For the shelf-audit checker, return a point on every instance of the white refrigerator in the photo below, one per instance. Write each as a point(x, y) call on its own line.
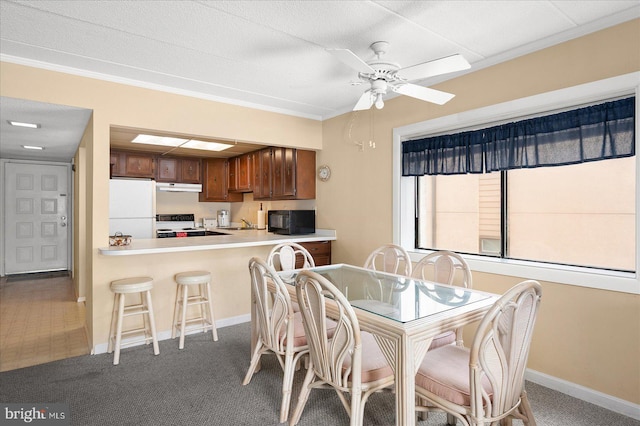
point(132, 207)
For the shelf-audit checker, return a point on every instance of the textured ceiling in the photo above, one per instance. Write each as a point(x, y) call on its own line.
point(272, 54)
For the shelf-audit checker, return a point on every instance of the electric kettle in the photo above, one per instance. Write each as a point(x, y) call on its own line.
point(223, 218)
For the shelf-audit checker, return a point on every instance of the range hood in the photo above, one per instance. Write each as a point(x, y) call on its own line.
point(178, 187)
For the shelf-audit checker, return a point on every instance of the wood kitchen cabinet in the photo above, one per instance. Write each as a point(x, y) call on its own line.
point(167, 170)
point(262, 174)
point(320, 251)
point(181, 170)
point(190, 170)
point(215, 181)
point(285, 174)
point(132, 164)
point(241, 173)
point(116, 164)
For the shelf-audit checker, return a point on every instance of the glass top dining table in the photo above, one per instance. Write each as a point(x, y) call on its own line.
point(403, 314)
point(391, 296)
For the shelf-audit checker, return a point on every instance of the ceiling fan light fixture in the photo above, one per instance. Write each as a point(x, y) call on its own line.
point(383, 74)
point(379, 102)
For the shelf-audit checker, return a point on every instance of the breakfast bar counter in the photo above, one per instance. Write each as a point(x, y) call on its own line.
point(226, 257)
point(234, 239)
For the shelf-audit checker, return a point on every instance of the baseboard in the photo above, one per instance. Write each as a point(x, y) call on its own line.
point(101, 348)
point(609, 402)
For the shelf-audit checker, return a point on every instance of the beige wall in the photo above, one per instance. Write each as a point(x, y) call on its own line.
point(580, 330)
point(585, 336)
point(127, 106)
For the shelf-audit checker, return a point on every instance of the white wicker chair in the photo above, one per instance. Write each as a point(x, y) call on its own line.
point(390, 258)
point(445, 267)
point(283, 257)
point(337, 361)
point(485, 384)
point(280, 329)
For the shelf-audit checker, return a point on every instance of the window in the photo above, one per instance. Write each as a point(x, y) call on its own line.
point(573, 223)
point(580, 214)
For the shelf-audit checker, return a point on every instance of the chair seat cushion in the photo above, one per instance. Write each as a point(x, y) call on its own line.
point(446, 338)
point(299, 336)
point(445, 373)
point(374, 364)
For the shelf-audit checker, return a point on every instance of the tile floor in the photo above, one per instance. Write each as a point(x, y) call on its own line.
point(40, 321)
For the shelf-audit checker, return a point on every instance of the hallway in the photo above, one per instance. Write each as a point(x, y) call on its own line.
point(40, 321)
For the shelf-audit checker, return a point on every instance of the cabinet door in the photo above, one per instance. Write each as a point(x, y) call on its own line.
point(293, 174)
point(320, 251)
point(116, 164)
point(215, 181)
point(167, 169)
point(190, 170)
point(279, 173)
point(233, 174)
point(139, 165)
point(305, 174)
point(244, 173)
point(289, 172)
point(262, 173)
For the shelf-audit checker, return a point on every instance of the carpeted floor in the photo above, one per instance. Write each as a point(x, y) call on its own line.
point(201, 385)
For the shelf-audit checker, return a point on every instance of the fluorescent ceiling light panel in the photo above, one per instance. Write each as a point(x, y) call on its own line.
point(23, 124)
point(158, 140)
point(208, 146)
point(37, 148)
point(182, 143)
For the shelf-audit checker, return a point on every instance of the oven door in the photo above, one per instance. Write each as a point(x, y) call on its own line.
point(165, 234)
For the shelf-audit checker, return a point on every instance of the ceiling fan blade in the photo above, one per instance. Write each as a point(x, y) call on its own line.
point(351, 59)
point(432, 68)
point(423, 93)
point(365, 101)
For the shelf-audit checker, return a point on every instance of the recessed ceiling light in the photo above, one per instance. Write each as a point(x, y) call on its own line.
point(23, 124)
point(37, 148)
point(158, 140)
point(208, 146)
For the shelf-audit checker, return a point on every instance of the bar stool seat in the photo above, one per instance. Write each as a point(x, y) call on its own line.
point(120, 288)
point(200, 297)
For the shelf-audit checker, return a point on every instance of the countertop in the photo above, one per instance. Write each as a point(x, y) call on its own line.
point(235, 239)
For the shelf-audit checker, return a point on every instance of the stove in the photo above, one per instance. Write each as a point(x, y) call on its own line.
point(177, 226)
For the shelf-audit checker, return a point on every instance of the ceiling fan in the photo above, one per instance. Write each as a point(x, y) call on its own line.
point(383, 75)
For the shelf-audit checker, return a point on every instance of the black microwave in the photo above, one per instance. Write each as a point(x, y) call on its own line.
point(291, 222)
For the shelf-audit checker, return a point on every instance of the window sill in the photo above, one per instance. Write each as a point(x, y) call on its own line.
point(601, 279)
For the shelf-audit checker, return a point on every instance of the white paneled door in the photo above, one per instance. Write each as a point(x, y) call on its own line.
point(36, 217)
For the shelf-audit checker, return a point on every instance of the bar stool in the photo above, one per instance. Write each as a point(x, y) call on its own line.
point(142, 286)
point(200, 281)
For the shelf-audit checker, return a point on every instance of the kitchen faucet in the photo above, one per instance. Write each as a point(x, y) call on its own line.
point(246, 222)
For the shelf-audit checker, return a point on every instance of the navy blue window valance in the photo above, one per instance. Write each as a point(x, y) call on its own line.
point(597, 132)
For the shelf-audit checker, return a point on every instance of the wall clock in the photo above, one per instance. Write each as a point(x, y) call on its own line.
point(324, 173)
